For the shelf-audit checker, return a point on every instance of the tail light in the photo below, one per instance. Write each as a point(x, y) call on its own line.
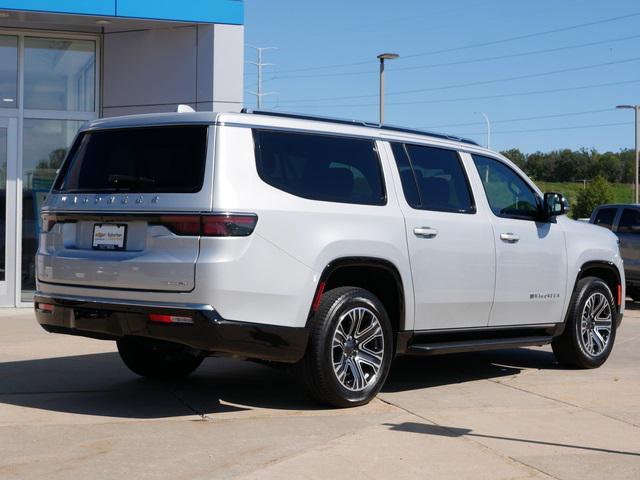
point(213, 225)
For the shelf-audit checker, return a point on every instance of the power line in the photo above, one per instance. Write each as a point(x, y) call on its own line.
point(476, 45)
point(473, 84)
point(525, 36)
point(574, 127)
point(463, 62)
point(481, 97)
point(522, 119)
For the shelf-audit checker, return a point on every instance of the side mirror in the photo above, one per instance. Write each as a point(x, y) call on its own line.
point(555, 204)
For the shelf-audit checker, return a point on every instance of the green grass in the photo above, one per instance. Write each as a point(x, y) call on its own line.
point(622, 192)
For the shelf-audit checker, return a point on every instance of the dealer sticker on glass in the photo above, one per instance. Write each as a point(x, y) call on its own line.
point(108, 236)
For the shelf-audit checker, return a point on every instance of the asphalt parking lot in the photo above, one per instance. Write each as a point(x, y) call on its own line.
point(70, 410)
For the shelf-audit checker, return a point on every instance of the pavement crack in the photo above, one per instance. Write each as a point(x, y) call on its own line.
point(563, 402)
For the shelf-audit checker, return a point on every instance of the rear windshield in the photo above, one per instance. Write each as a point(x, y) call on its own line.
point(136, 160)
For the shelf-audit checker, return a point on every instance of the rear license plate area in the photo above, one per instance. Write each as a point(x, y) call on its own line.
point(109, 236)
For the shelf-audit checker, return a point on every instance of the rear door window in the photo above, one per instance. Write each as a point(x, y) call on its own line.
point(433, 178)
point(630, 221)
point(137, 160)
point(604, 217)
point(321, 167)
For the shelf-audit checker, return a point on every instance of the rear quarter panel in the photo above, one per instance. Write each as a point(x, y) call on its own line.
point(274, 278)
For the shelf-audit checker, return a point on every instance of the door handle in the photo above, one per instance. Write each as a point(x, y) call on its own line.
point(509, 237)
point(425, 232)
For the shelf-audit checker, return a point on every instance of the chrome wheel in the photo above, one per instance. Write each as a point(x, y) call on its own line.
point(596, 324)
point(357, 348)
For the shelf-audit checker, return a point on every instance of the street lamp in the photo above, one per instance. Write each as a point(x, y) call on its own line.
point(636, 108)
point(486, 118)
point(382, 57)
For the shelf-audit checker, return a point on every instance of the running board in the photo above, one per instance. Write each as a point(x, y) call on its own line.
point(476, 345)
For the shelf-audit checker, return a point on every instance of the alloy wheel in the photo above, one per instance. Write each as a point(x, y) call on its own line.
point(596, 324)
point(357, 348)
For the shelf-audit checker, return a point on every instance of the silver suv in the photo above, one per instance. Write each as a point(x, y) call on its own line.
point(328, 245)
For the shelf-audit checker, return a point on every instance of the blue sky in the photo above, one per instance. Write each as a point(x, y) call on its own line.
point(582, 57)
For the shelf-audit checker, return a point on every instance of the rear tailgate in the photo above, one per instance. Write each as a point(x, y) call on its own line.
point(124, 211)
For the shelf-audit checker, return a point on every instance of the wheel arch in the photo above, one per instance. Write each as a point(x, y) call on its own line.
point(606, 271)
point(379, 276)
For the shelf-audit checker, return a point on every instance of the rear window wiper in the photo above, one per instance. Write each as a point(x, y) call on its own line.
point(118, 180)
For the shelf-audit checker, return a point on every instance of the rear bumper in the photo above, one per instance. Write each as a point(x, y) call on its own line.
point(209, 332)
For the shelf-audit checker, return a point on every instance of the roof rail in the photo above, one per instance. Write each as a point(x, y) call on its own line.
point(360, 123)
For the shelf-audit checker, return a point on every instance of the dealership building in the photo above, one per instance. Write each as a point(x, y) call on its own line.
point(63, 62)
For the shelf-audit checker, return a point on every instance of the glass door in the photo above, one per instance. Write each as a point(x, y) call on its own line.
point(8, 197)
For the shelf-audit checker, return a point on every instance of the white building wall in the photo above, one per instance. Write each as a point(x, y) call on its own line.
point(155, 70)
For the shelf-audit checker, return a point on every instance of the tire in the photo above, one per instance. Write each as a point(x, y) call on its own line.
point(585, 343)
point(156, 359)
point(351, 329)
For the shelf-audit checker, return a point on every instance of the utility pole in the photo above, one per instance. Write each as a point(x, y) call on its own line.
point(260, 65)
point(382, 57)
point(486, 118)
point(636, 109)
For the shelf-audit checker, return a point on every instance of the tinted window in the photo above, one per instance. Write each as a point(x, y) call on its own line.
point(508, 194)
point(605, 217)
point(137, 160)
point(440, 178)
point(321, 167)
point(408, 179)
point(630, 221)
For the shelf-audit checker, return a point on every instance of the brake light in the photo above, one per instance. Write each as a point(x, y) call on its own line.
point(182, 224)
point(228, 225)
point(159, 318)
point(213, 225)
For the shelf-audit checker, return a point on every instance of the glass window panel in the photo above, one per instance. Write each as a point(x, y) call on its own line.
point(138, 160)
point(8, 71)
point(44, 148)
point(508, 194)
point(441, 179)
point(630, 221)
point(321, 167)
point(59, 74)
point(3, 201)
point(605, 217)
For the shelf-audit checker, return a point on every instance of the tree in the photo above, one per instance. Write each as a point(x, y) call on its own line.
point(598, 192)
point(516, 156)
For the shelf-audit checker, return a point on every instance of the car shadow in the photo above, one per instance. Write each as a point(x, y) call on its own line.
point(413, 373)
point(99, 384)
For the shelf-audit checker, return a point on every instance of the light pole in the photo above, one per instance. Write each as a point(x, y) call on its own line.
point(382, 57)
point(636, 108)
point(486, 118)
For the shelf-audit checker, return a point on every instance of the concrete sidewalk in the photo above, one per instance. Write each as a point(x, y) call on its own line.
point(69, 409)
